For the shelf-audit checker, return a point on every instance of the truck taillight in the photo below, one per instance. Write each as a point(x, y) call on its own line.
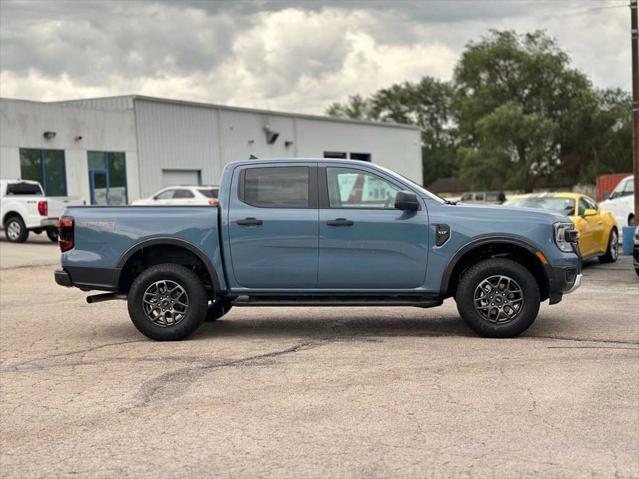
point(214, 202)
point(65, 233)
point(43, 208)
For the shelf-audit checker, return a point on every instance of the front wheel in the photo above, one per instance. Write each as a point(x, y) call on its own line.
point(498, 298)
point(52, 234)
point(167, 302)
point(612, 250)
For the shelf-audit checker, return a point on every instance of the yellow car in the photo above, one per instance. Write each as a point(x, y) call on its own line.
point(598, 233)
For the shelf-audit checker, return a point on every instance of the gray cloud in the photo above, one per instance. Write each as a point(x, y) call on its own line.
point(297, 55)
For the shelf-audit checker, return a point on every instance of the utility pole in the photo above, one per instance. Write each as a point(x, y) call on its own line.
point(634, 35)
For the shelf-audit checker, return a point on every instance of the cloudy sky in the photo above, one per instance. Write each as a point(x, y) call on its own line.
point(281, 55)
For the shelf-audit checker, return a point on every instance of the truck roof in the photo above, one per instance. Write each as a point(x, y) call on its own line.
point(297, 160)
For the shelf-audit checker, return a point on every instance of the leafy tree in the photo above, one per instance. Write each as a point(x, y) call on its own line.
point(515, 116)
point(516, 148)
point(356, 108)
point(605, 137)
point(525, 79)
point(426, 104)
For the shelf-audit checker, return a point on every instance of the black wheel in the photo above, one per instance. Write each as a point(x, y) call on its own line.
point(167, 302)
point(52, 234)
point(612, 251)
point(498, 298)
point(637, 271)
point(15, 230)
point(217, 309)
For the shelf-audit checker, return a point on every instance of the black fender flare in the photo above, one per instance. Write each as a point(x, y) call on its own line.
point(477, 243)
point(173, 242)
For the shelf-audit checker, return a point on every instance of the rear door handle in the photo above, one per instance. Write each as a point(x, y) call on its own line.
point(340, 222)
point(249, 222)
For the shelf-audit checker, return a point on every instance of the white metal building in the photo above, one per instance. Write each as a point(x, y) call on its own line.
point(118, 149)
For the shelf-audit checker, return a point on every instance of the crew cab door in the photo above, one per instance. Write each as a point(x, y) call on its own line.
point(365, 243)
point(273, 226)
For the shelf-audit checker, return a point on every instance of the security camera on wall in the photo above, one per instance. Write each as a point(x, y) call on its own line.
point(271, 135)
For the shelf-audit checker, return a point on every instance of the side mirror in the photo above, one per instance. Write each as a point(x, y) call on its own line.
point(406, 200)
point(590, 212)
point(606, 195)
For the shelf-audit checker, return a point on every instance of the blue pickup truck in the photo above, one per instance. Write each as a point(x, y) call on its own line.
point(317, 232)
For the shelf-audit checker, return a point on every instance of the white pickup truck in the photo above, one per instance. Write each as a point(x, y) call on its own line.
point(24, 208)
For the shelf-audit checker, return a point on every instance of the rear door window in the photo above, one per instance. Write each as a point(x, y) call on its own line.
point(183, 194)
point(276, 187)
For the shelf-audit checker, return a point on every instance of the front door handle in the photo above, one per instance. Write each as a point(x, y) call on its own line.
point(249, 222)
point(340, 222)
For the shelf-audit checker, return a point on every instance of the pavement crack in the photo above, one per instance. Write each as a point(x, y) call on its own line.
point(21, 365)
point(175, 383)
point(585, 340)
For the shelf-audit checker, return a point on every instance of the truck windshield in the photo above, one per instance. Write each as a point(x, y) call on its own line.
point(31, 189)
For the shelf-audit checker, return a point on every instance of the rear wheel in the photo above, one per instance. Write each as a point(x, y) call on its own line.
point(217, 309)
point(52, 234)
point(498, 298)
point(15, 230)
point(167, 302)
point(612, 250)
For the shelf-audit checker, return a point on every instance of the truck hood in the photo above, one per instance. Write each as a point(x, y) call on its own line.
point(490, 212)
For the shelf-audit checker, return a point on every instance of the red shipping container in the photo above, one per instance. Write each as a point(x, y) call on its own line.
point(607, 183)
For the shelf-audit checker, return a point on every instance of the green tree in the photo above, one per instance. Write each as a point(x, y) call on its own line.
point(528, 80)
point(426, 104)
point(356, 108)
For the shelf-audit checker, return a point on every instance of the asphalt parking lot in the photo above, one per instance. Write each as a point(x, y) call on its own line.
point(315, 392)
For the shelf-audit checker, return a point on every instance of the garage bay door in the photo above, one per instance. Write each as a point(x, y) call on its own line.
point(181, 177)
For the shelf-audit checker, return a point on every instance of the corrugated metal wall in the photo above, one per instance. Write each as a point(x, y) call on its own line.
point(173, 136)
point(109, 103)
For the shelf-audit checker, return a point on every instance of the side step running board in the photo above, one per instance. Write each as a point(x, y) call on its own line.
point(417, 301)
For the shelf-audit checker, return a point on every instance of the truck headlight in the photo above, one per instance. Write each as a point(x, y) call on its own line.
point(565, 236)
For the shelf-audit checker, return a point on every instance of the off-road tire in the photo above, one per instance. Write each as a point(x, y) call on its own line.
point(16, 224)
point(217, 309)
point(475, 275)
point(612, 252)
point(188, 281)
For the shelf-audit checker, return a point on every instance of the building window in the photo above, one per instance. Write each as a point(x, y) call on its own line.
point(361, 156)
point(107, 178)
point(335, 154)
point(342, 155)
point(46, 167)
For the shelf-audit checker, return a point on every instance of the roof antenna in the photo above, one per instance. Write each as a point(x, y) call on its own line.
point(253, 157)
